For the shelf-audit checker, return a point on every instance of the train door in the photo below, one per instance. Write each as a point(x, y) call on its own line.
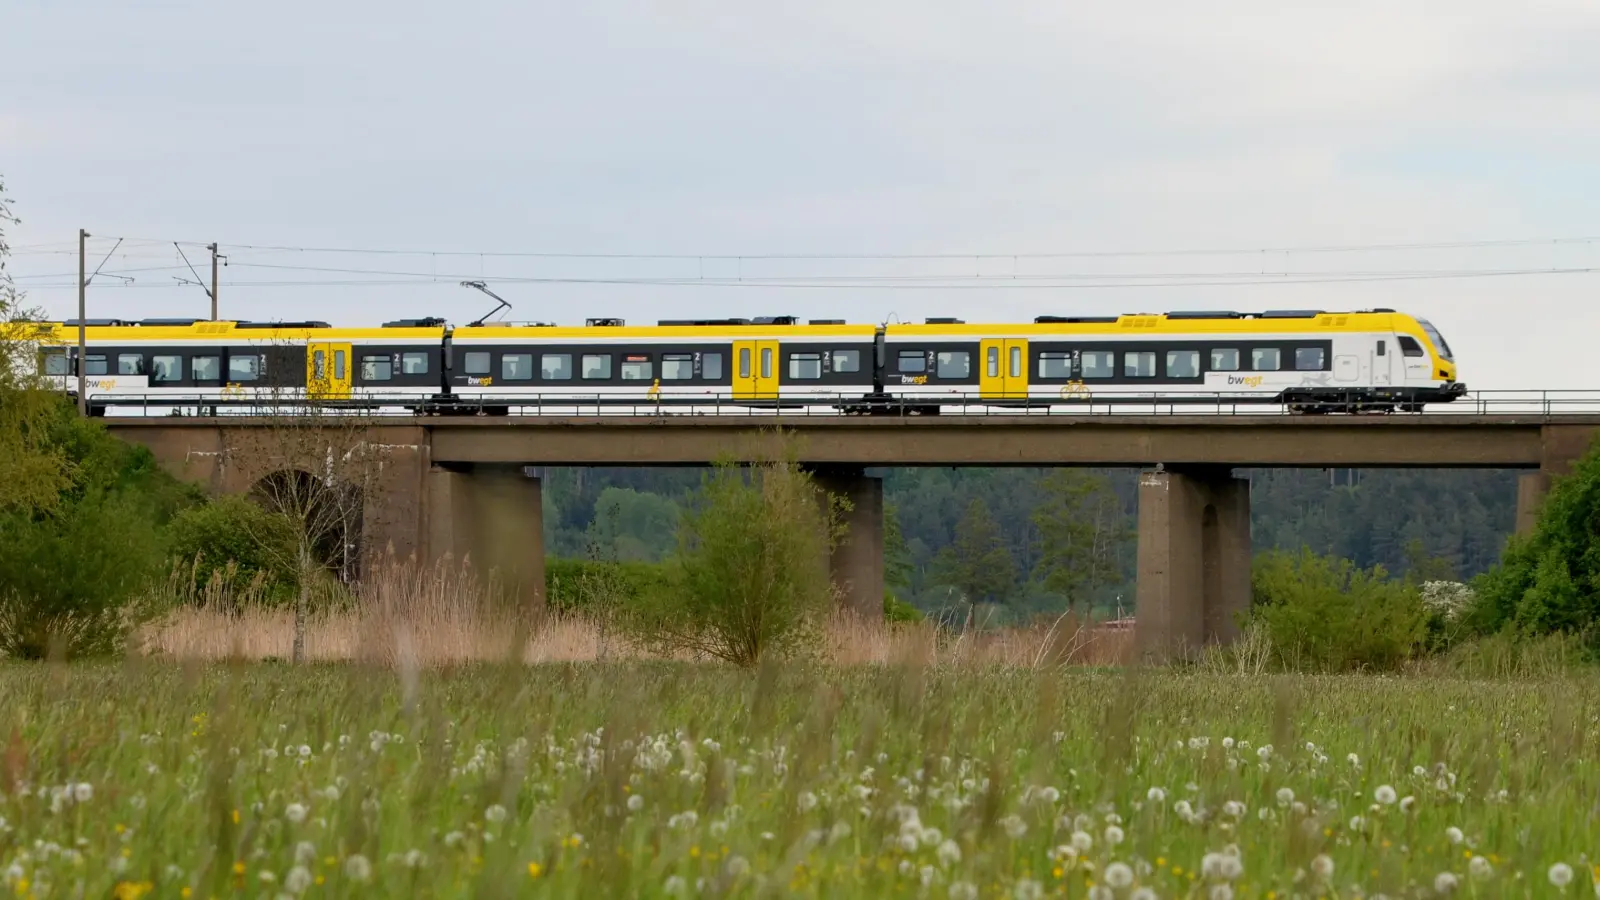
point(755, 370)
point(1003, 372)
point(328, 372)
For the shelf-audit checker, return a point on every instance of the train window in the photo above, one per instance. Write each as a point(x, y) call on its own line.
point(338, 364)
point(953, 364)
point(1265, 359)
point(555, 366)
point(373, 368)
point(1225, 359)
point(519, 367)
point(1099, 364)
point(477, 363)
point(130, 364)
point(1183, 363)
point(319, 364)
point(992, 362)
point(96, 366)
point(1409, 346)
point(57, 364)
point(414, 363)
point(597, 366)
point(805, 366)
point(1016, 362)
point(1308, 359)
point(847, 360)
point(766, 362)
point(1381, 348)
point(206, 368)
point(166, 368)
point(638, 368)
point(711, 366)
point(744, 362)
point(1139, 364)
point(248, 367)
point(1055, 365)
point(911, 361)
point(677, 366)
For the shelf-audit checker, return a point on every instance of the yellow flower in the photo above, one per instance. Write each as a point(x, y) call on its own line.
point(121, 828)
point(238, 868)
point(1161, 862)
point(187, 892)
point(128, 890)
point(126, 852)
point(1058, 871)
point(322, 879)
point(694, 851)
point(236, 817)
point(535, 870)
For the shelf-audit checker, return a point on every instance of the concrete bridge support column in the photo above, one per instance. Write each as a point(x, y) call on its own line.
point(1194, 559)
point(492, 515)
point(1531, 490)
point(856, 564)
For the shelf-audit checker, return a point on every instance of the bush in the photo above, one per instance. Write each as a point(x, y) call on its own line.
point(896, 610)
point(235, 540)
point(1549, 581)
point(72, 576)
point(1329, 614)
point(750, 579)
point(598, 587)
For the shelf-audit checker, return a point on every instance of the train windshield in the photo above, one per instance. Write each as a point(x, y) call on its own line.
point(1437, 338)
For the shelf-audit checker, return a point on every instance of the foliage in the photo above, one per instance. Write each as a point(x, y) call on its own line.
point(633, 526)
point(978, 564)
point(751, 578)
point(1081, 530)
point(896, 611)
point(34, 470)
point(1549, 581)
point(384, 786)
point(897, 566)
point(589, 586)
point(72, 574)
point(1328, 615)
point(235, 538)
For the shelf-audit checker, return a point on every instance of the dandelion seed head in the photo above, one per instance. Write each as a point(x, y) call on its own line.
point(1385, 795)
point(1560, 875)
point(1118, 875)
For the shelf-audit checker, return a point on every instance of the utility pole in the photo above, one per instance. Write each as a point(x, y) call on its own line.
point(83, 329)
point(213, 248)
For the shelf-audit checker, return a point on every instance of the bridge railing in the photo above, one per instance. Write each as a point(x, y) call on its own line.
point(1168, 403)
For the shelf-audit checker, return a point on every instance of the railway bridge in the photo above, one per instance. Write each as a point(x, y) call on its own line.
point(470, 485)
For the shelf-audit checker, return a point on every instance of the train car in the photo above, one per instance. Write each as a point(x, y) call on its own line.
point(776, 361)
point(1309, 360)
point(181, 362)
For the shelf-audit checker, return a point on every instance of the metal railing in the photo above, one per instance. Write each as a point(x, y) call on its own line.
point(1171, 403)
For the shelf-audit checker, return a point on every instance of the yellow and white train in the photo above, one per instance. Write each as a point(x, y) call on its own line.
point(1307, 360)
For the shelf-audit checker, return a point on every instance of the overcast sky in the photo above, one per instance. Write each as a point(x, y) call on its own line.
point(879, 128)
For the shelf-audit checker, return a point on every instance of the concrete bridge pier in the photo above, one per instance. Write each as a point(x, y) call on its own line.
point(1193, 559)
point(856, 564)
point(1531, 490)
point(491, 514)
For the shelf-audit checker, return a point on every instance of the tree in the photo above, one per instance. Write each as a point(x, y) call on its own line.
point(34, 470)
point(1549, 581)
point(978, 564)
point(897, 565)
point(233, 537)
point(311, 466)
point(1083, 533)
point(750, 579)
point(632, 526)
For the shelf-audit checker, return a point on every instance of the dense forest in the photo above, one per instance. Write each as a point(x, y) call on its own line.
point(1030, 541)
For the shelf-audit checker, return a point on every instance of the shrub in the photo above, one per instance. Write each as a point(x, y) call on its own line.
point(750, 578)
point(72, 576)
point(896, 610)
point(236, 540)
point(592, 586)
point(1549, 581)
point(1329, 614)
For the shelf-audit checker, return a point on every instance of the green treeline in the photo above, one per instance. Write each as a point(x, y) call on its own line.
point(1030, 541)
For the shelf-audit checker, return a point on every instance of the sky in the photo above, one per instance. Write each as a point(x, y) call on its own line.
point(880, 161)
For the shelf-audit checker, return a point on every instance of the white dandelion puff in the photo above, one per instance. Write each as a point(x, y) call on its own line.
point(1114, 835)
point(1014, 826)
point(82, 792)
point(295, 813)
point(635, 803)
point(1560, 875)
point(949, 853)
point(1220, 892)
point(1322, 866)
point(1479, 867)
point(1454, 835)
point(495, 814)
point(1156, 795)
point(963, 890)
point(1143, 893)
point(297, 880)
point(1027, 889)
point(1285, 796)
point(1082, 842)
point(357, 868)
point(1444, 883)
point(1118, 875)
point(1385, 795)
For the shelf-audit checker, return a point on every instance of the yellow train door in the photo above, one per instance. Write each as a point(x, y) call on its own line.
point(755, 370)
point(1003, 371)
point(328, 371)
